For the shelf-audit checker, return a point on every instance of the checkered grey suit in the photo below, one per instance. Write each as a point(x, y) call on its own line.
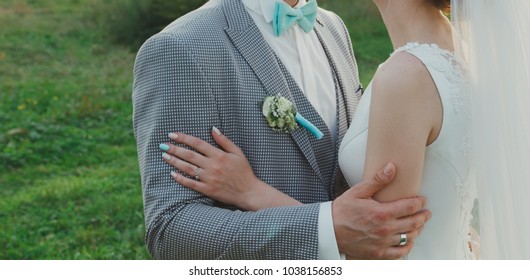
point(212, 67)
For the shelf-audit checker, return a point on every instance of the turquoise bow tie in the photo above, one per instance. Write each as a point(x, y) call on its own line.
point(286, 16)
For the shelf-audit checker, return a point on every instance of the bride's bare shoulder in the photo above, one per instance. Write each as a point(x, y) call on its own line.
point(405, 75)
point(403, 90)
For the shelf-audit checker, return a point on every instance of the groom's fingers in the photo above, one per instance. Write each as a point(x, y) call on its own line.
point(368, 188)
point(411, 236)
point(395, 251)
point(405, 207)
point(398, 252)
point(412, 223)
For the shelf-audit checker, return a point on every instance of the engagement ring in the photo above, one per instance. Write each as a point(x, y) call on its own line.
point(197, 177)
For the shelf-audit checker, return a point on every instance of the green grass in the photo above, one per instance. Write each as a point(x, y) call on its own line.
point(368, 34)
point(69, 178)
point(69, 183)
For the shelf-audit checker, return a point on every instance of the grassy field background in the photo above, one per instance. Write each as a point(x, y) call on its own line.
point(69, 178)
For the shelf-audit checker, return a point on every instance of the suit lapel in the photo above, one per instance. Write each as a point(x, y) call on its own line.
point(261, 59)
point(247, 38)
point(341, 70)
point(346, 98)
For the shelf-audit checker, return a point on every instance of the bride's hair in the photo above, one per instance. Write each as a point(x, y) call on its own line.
point(443, 5)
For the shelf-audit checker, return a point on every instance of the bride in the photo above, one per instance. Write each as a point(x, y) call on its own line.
point(450, 108)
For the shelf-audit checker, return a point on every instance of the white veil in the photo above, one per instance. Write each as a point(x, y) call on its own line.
point(494, 38)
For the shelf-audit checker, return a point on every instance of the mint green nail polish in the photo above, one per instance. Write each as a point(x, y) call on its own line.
point(164, 147)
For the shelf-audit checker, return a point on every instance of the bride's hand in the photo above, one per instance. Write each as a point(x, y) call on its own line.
point(224, 175)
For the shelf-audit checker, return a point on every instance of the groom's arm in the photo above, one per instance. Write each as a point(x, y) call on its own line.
point(171, 94)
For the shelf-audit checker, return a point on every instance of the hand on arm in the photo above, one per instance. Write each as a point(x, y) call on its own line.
point(225, 175)
point(368, 229)
point(364, 227)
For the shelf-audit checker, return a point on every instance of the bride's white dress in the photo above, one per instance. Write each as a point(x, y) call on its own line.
point(447, 161)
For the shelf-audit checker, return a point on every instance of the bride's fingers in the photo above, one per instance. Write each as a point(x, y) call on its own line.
point(198, 144)
point(225, 143)
point(181, 165)
point(188, 183)
point(185, 154)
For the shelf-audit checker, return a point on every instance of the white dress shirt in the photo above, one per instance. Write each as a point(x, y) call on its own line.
point(304, 57)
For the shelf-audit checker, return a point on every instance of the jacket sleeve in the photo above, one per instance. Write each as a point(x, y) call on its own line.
point(171, 93)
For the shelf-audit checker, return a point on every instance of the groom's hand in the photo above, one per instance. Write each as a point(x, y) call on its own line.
point(367, 229)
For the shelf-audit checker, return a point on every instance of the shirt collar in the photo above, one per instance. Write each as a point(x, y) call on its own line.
point(265, 8)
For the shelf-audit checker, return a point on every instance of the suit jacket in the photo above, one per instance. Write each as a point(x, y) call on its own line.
point(212, 67)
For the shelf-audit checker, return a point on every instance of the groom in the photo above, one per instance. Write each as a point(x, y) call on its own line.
point(213, 67)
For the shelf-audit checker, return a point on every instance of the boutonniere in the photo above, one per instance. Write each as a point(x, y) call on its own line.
point(282, 116)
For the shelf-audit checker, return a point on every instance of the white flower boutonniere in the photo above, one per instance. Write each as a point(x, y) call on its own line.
point(282, 116)
point(280, 113)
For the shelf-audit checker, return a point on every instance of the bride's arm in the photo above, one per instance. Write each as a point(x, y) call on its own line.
point(224, 175)
point(405, 117)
